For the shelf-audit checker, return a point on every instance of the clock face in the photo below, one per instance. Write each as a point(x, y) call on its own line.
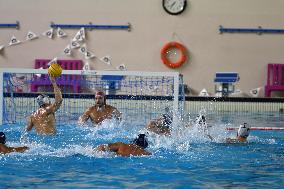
point(174, 7)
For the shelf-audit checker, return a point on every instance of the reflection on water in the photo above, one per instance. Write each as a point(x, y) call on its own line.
point(187, 158)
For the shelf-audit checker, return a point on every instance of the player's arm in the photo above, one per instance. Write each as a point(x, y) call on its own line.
point(6, 149)
point(231, 140)
point(109, 147)
point(210, 137)
point(58, 97)
point(83, 118)
point(117, 114)
point(30, 124)
point(19, 149)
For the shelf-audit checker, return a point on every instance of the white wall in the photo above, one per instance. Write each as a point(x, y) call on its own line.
point(197, 28)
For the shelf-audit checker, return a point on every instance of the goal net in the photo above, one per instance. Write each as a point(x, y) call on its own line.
point(140, 96)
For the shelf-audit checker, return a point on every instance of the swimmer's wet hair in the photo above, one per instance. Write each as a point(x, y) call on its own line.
point(141, 141)
point(100, 93)
point(2, 138)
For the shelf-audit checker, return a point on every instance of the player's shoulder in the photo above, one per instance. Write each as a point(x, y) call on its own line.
point(110, 107)
point(91, 108)
point(3, 147)
point(38, 112)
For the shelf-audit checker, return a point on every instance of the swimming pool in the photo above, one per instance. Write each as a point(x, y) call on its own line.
point(185, 160)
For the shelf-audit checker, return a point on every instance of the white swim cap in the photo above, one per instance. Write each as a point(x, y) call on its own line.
point(244, 130)
point(42, 99)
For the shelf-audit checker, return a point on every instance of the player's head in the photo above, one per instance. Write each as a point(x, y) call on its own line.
point(2, 138)
point(42, 99)
point(100, 97)
point(141, 141)
point(200, 119)
point(243, 130)
point(167, 120)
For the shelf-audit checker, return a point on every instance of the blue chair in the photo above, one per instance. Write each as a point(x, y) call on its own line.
point(225, 82)
point(113, 83)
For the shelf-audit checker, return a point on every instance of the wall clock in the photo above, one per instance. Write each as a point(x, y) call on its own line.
point(174, 7)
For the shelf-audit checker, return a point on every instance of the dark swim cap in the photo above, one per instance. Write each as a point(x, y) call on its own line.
point(2, 138)
point(141, 141)
point(167, 120)
point(202, 120)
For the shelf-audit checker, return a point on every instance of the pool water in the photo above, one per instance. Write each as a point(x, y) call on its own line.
point(187, 159)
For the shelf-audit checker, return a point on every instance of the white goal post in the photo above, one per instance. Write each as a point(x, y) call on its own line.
point(131, 91)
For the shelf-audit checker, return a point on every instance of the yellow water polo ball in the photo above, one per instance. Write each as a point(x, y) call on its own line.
point(55, 70)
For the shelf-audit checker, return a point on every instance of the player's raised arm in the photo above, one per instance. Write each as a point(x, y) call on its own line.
point(58, 97)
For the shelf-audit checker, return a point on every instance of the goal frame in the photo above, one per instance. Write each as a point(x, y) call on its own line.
point(175, 75)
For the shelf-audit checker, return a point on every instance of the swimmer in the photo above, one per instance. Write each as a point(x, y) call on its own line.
point(4, 149)
point(44, 119)
point(200, 122)
point(242, 134)
point(136, 148)
point(202, 126)
point(162, 124)
point(100, 111)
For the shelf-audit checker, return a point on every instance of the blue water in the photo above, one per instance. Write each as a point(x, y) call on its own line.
point(188, 159)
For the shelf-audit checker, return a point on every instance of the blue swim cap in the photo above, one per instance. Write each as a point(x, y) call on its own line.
point(141, 141)
point(2, 138)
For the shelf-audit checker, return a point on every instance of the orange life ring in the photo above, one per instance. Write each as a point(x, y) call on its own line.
point(174, 45)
